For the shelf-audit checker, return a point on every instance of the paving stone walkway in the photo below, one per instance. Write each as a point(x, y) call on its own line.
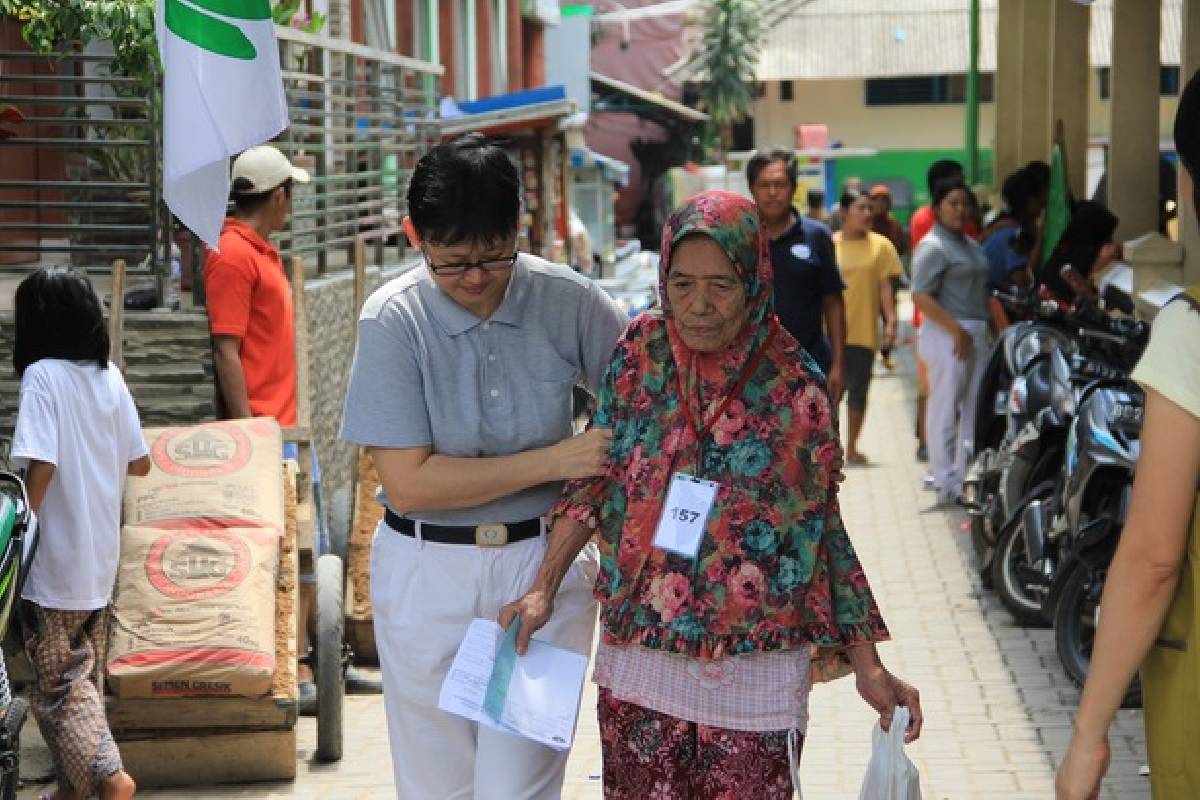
point(998, 705)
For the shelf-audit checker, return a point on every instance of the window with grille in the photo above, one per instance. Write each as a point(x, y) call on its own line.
point(918, 90)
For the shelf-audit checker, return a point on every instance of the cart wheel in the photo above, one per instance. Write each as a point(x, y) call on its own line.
point(331, 622)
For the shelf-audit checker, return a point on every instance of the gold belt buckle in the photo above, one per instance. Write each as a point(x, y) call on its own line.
point(491, 535)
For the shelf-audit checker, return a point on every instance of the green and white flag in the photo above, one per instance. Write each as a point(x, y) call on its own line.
point(222, 93)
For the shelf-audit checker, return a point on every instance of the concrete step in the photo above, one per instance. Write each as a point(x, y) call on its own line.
point(157, 403)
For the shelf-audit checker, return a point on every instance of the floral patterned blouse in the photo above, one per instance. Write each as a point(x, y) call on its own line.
point(776, 569)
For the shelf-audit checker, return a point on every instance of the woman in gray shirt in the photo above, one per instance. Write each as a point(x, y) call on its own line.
point(461, 392)
point(950, 288)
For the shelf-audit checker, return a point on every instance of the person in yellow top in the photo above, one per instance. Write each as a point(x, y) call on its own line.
point(1152, 591)
point(869, 263)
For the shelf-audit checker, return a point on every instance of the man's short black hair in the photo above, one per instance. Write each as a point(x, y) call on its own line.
point(1019, 188)
point(57, 315)
point(764, 158)
point(465, 190)
point(941, 170)
point(247, 204)
point(1040, 172)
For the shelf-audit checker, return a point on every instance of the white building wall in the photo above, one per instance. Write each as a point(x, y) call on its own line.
point(841, 105)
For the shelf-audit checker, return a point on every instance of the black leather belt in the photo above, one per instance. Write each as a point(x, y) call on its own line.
point(496, 535)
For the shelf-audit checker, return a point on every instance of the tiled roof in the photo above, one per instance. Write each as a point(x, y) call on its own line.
point(826, 39)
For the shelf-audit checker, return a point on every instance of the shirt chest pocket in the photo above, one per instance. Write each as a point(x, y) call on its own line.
point(543, 364)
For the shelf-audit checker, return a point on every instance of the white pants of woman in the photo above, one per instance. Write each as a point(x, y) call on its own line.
point(950, 412)
point(425, 595)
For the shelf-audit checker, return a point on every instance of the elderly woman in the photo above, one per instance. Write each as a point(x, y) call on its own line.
point(728, 583)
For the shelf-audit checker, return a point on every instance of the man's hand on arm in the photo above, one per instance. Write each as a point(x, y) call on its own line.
point(228, 364)
point(417, 479)
point(566, 540)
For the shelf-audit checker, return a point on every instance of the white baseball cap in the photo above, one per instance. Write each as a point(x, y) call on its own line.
point(265, 168)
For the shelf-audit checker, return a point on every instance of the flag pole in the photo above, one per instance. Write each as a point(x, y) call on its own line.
point(972, 99)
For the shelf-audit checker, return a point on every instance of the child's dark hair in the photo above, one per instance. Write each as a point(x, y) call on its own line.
point(465, 190)
point(58, 316)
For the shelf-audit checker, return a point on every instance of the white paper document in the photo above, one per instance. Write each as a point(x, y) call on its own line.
point(535, 695)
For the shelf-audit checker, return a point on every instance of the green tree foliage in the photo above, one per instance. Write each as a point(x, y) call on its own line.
point(727, 60)
point(129, 24)
point(48, 25)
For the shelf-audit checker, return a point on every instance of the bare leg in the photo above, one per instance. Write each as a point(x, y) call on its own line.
point(853, 456)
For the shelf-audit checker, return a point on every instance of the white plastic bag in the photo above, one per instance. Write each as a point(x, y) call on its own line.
point(890, 775)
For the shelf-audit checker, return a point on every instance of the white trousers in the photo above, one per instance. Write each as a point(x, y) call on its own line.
point(950, 410)
point(424, 596)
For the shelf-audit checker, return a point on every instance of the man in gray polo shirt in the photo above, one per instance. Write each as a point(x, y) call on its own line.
point(461, 390)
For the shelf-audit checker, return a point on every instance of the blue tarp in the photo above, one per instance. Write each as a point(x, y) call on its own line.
point(500, 102)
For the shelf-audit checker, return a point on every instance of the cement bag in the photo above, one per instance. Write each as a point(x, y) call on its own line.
point(194, 612)
point(226, 471)
point(890, 775)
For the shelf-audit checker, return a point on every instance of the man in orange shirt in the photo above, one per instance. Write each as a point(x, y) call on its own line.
point(250, 315)
point(248, 294)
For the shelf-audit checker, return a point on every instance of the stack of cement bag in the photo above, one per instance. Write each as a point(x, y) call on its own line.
point(194, 609)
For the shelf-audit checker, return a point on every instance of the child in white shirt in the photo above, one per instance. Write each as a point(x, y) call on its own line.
point(78, 436)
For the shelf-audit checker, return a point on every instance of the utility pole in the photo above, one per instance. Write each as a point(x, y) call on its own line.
point(972, 143)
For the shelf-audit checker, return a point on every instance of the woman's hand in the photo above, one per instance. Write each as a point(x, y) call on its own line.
point(534, 609)
point(1081, 771)
point(582, 456)
point(963, 344)
point(883, 691)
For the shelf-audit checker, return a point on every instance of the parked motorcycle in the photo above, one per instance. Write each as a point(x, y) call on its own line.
point(18, 542)
point(1008, 474)
point(1011, 490)
point(999, 414)
point(1102, 452)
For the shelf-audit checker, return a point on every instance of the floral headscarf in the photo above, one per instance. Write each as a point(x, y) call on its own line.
point(732, 221)
point(775, 568)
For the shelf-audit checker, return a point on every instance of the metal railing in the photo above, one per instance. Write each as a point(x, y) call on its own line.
point(81, 177)
point(360, 118)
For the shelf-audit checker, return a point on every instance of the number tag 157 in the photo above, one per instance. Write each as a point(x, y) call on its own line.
point(685, 515)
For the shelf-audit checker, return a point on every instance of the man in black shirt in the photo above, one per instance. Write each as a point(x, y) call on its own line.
point(808, 286)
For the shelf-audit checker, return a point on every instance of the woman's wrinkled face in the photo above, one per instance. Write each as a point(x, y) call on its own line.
point(706, 295)
point(954, 210)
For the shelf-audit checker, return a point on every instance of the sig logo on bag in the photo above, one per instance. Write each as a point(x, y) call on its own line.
point(202, 451)
point(197, 564)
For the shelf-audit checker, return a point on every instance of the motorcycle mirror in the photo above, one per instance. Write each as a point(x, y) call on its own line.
point(1115, 298)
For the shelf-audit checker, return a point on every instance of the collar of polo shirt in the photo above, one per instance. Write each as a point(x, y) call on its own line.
point(456, 320)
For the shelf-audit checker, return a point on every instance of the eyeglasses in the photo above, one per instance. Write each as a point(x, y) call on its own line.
point(490, 265)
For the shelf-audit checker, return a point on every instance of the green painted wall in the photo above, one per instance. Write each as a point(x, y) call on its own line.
point(901, 165)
